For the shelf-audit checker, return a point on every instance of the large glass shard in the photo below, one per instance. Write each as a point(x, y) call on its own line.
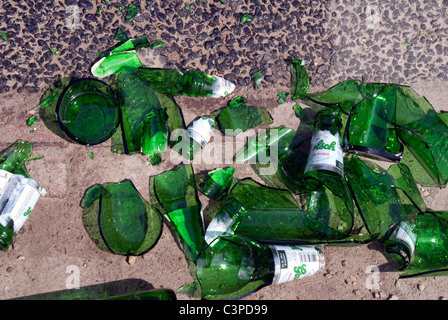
point(370, 130)
point(234, 120)
point(132, 12)
point(116, 63)
point(217, 183)
point(345, 95)
point(431, 247)
point(13, 158)
point(126, 289)
point(300, 81)
point(190, 83)
point(384, 198)
point(88, 112)
point(274, 155)
point(119, 220)
point(175, 193)
point(425, 135)
point(138, 105)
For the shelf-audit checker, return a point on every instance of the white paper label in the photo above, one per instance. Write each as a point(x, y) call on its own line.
point(201, 130)
point(325, 152)
point(294, 262)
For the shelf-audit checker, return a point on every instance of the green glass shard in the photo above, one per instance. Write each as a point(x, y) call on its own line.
point(155, 132)
point(31, 121)
point(345, 95)
point(4, 36)
point(300, 81)
point(217, 183)
point(121, 36)
point(282, 96)
point(274, 155)
point(91, 155)
point(14, 157)
point(257, 77)
point(191, 83)
point(270, 215)
point(119, 220)
point(137, 103)
point(88, 111)
point(232, 121)
point(383, 198)
point(431, 247)
point(239, 101)
point(35, 158)
point(116, 63)
point(165, 81)
point(125, 289)
point(133, 12)
point(175, 193)
point(425, 135)
point(370, 129)
point(246, 18)
point(99, 10)
point(300, 113)
point(158, 44)
point(261, 142)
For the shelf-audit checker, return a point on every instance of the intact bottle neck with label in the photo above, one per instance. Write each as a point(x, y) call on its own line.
point(325, 151)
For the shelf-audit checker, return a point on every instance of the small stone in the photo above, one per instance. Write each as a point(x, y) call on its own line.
point(343, 263)
point(357, 292)
point(392, 297)
point(421, 286)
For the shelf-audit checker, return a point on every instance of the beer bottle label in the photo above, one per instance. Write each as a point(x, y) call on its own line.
point(201, 130)
point(22, 197)
point(406, 234)
point(325, 152)
point(294, 262)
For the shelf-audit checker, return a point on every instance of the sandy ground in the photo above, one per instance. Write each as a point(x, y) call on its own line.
point(53, 242)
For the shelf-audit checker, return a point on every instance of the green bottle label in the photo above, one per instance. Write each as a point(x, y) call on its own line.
point(325, 153)
point(293, 262)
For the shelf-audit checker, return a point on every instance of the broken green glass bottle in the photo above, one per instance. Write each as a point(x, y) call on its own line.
point(155, 133)
point(197, 136)
point(370, 129)
point(275, 156)
point(18, 192)
point(119, 220)
point(174, 192)
point(300, 81)
point(143, 118)
point(328, 203)
point(190, 83)
point(233, 267)
point(88, 111)
point(423, 132)
point(239, 117)
point(13, 158)
point(217, 183)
